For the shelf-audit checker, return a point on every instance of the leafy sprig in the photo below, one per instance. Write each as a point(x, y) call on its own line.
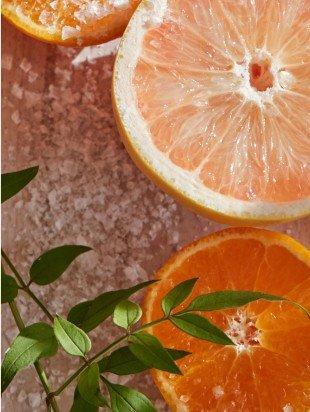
point(133, 352)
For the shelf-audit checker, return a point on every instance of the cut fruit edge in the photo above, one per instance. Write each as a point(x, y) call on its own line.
point(266, 237)
point(173, 179)
point(40, 32)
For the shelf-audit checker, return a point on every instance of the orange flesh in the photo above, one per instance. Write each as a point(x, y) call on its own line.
point(190, 95)
point(271, 370)
point(80, 20)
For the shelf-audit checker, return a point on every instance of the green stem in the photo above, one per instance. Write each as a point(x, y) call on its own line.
point(40, 371)
point(155, 322)
point(83, 367)
point(16, 315)
point(101, 353)
point(12, 267)
point(25, 287)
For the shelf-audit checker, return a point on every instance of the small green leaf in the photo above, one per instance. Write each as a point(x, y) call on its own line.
point(9, 288)
point(148, 349)
point(126, 314)
point(88, 315)
point(200, 327)
point(12, 183)
point(80, 405)
point(227, 299)
point(88, 386)
point(177, 295)
point(123, 362)
point(34, 342)
point(49, 266)
point(124, 399)
point(73, 339)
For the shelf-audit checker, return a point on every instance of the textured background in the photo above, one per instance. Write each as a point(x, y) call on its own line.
point(58, 114)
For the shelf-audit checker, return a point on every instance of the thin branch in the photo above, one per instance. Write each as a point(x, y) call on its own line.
point(25, 287)
point(101, 353)
point(40, 371)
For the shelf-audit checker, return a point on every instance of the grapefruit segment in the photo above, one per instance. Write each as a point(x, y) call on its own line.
point(271, 338)
point(220, 97)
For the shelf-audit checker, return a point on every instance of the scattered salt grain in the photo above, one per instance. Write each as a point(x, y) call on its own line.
point(32, 76)
point(286, 79)
point(25, 65)
point(119, 3)
point(15, 117)
point(46, 17)
point(218, 391)
point(69, 32)
point(7, 62)
point(17, 91)
point(93, 10)
point(184, 398)
point(22, 396)
point(53, 4)
point(288, 408)
point(92, 53)
point(34, 399)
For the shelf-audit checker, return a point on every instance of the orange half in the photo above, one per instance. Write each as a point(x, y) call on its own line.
point(269, 368)
point(212, 100)
point(70, 22)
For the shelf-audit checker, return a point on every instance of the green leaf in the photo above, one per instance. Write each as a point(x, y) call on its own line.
point(12, 183)
point(80, 405)
point(177, 295)
point(126, 314)
point(124, 399)
point(9, 288)
point(73, 339)
point(227, 299)
point(200, 327)
point(77, 313)
point(88, 386)
point(49, 266)
point(88, 315)
point(148, 349)
point(123, 362)
point(34, 342)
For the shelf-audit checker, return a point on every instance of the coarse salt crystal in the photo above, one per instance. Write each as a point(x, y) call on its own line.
point(46, 17)
point(25, 65)
point(218, 391)
point(288, 408)
point(7, 62)
point(53, 4)
point(34, 399)
point(184, 398)
point(32, 76)
point(286, 79)
point(17, 91)
point(68, 32)
point(15, 117)
point(119, 3)
point(92, 11)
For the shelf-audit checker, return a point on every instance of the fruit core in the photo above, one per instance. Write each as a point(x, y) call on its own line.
point(242, 331)
point(261, 77)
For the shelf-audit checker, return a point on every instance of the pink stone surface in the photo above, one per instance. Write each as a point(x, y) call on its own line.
point(88, 191)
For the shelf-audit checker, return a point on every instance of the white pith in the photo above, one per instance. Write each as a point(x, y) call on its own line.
point(148, 14)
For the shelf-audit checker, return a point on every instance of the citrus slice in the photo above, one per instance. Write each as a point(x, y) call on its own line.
point(70, 22)
point(212, 101)
point(268, 369)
